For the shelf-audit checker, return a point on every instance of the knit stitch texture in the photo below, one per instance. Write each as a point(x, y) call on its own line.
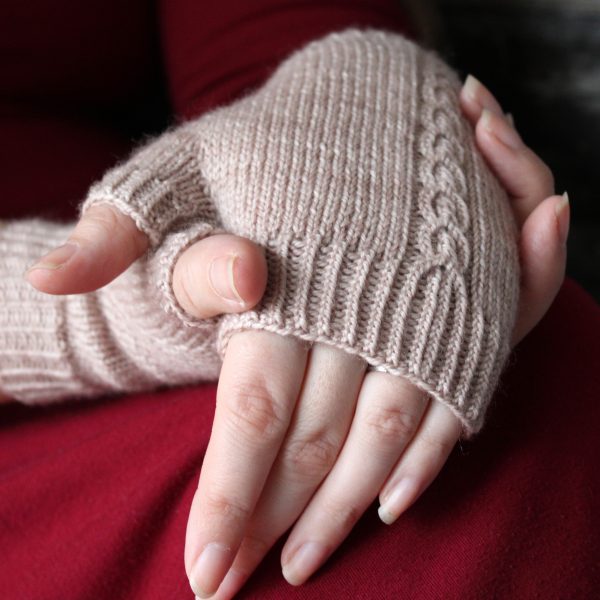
point(125, 337)
point(386, 235)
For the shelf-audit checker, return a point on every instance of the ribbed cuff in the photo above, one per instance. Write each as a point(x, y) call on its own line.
point(409, 321)
point(159, 187)
point(174, 245)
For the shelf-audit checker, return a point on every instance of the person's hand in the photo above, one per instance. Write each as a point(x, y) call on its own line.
point(543, 218)
point(105, 242)
point(255, 413)
point(319, 437)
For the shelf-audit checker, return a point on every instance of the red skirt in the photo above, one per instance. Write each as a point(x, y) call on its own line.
point(94, 496)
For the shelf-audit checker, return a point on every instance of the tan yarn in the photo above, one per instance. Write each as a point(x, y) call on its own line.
point(385, 233)
point(125, 337)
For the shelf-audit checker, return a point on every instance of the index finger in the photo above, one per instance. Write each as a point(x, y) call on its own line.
point(259, 383)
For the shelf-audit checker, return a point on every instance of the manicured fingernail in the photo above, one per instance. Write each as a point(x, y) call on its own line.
point(57, 258)
point(398, 501)
point(209, 570)
point(306, 560)
point(501, 130)
point(221, 278)
point(563, 217)
point(471, 86)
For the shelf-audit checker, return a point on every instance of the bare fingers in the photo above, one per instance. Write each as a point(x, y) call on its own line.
point(524, 175)
point(254, 408)
point(421, 462)
point(388, 413)
point(526, 178)
point(317, 431)
point(542, 217)
point(543, 252)
point(377, 420)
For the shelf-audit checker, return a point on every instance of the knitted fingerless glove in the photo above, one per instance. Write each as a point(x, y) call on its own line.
point(125, 337)
point(385, 233)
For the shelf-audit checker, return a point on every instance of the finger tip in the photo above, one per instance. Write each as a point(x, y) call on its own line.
point(74, 278)
point(44, 280)
point(470, 107)
point(385, 516)
point(291, 576)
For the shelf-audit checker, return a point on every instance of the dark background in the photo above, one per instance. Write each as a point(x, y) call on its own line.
point(541, 58)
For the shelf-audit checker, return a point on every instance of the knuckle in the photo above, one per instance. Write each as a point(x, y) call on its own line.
point(548, 178)
point(543, 182)
point(310, 457)
point(219, 506)
point(255, 546)
point(100, 218)
point(390, 423)
point(105, 222)
point(254, 409)
point(342, 514)
point(124, 227)
point(439, 446)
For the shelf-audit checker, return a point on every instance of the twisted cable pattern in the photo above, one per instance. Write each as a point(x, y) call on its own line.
point(385, 234)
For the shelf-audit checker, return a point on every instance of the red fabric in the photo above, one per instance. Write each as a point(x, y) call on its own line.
point(213, 55)
point(94, 496)
point(68, 68)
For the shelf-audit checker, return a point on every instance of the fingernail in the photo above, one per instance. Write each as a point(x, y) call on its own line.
point(470, 87)
point(221, 278)
point(398, 501)
point(232, 583)
point(304, 562)
point(209, 570)
point(501, 129)
point(57, 258)
point(563, 217)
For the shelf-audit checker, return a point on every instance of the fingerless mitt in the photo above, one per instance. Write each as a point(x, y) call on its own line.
point(125, 337)
point(386, 235)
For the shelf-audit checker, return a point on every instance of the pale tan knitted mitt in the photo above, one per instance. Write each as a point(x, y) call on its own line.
point(125, 337)
point(386, 235)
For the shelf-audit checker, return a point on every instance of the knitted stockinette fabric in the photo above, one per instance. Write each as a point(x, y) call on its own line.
point(385, 233)
point(124, 337)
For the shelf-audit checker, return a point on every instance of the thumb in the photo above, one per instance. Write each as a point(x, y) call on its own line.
point(102, 245)
point(220, 274)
